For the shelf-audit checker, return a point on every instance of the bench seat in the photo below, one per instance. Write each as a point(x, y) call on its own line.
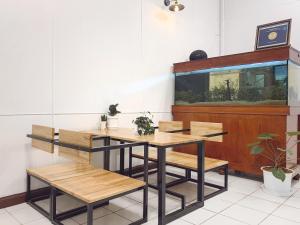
point(183, 160)
point(61, 171)
point(98, 185)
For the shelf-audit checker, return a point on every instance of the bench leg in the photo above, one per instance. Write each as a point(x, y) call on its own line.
point(53, 194)
point(90, 214)
point(188, 174)
point(106, 154)
point(226, 177)
point(28, 186)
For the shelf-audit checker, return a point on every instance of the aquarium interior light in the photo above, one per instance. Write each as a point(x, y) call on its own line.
point(239, 67)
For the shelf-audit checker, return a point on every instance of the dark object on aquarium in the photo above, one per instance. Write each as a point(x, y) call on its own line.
point(198, 55)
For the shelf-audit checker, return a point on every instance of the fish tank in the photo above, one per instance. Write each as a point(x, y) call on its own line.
point(251, 84)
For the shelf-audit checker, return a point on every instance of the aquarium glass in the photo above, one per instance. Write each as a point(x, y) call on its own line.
point(259, 83)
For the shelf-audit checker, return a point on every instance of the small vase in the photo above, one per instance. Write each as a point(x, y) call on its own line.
point(276, 186)
point(112, 122)
point(102, 125)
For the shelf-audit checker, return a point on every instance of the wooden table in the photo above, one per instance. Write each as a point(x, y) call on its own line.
point(161, 141)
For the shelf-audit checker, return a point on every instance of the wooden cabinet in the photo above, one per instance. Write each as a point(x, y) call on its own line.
point(243, 124)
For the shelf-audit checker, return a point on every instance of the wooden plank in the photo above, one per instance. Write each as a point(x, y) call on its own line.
point(61, 171)
point(170, 125)
point(234, 109)
point(275, 54)
point(76, 138)
point(184, 160)
point(206, 128)
point(158, 139)
point(97, 186)
point(45, 132)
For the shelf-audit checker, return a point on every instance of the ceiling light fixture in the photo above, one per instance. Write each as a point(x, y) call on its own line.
point(174, 5)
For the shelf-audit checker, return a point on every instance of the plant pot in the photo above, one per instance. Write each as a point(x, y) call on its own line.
point(103, 125)
point(276, 186)
point(112, 122)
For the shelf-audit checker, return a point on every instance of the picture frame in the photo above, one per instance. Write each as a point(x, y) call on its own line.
point(271, 35)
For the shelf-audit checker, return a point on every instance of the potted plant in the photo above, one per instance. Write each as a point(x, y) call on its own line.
point(103, 122)
point(277, 178)
point(112, 119)
point(145, 125)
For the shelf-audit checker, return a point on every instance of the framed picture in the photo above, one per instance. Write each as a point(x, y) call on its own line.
point(272, 35)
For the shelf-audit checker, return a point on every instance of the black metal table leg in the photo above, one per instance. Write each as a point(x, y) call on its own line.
point(161, 183)
point(122, 158)
point(200, 171)
point(107, 154)
point(130, 163)
point(89, 214)
point(145, 192)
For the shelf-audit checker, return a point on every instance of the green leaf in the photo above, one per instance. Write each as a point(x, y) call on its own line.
point(256, 149)
point(293, 133)
point(278, 173)
point(253, 144)
point(266, 136)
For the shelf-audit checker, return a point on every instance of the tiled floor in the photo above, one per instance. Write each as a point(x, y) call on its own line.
point(244, 203)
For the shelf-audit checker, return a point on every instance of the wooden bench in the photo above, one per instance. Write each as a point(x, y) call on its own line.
point(188, 162)
point(94, 187)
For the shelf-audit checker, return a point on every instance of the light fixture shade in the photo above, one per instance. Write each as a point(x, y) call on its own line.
point(175, 7)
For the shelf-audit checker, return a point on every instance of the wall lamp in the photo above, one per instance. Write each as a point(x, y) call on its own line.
point(174, 5)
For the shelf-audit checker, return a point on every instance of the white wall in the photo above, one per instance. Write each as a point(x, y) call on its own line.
point(242, 17)
point(63, 61)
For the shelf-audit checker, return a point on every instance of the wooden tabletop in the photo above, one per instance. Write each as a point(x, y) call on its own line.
point(160, 139)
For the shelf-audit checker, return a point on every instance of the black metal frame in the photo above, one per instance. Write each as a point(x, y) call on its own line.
point(162, 186)
point(187, 178)
point(57, 218)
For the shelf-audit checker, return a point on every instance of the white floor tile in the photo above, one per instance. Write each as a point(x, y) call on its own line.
point(244, 214)
point(293, 202)
point(43, 221)
point(111, 219)
point(69, 222)
point(135, 212)
point(219, 219)
point(17, 207)
point(244, 186)
point(65, 203)
point(7, 219)
point(261, 194)
point(289, 213)
point(26, 215)
point(100, 212)
point(259, 204)
point(231, 196)
point(274, 220)
point(297, 194)
point(179, 222)
point(199, 216)
point(216, 205)
point(138, 195)
point(152, 222)
point(171, 204)
point(120, 203)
